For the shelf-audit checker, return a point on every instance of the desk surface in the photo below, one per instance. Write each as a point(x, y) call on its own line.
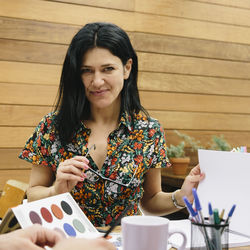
point(118, 229)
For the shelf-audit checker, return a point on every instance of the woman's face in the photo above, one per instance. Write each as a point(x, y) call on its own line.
point(103, 77)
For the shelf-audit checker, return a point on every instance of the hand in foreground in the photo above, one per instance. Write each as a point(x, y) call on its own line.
point(69, 173)
point(192, 181)
point(30, 238)
point(84, 244)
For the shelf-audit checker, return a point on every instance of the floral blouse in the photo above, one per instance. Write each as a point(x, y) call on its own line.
point(133, 148)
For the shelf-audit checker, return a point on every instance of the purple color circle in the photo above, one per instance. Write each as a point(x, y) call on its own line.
point(35, 218)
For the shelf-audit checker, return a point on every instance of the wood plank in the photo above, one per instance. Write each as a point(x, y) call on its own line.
point(193, 66)
point(30, 73)
point(193, 84)
point(14, 137)
point(16, 72)
point(72, 14)
point(109, 4)
point(14, 115)
point(202, 121)
point(165, 44)
point(203, 11)
point(9, 159)
point(26, 94)
point(27, 51)
point(32, 30)
point(234, 138)
point(19, 175)
point(11, 50)
point(31, 115)
point(195, 102)
point(239, 3)
point(64, 13)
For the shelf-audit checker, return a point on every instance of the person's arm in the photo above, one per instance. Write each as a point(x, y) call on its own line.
point(84, 244)
point(157, 202)
point(31, 238)
point(43, 182)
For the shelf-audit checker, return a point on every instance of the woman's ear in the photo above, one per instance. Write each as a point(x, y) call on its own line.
point(127, 68)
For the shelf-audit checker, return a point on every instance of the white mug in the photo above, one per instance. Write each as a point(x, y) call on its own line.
point(147, 233)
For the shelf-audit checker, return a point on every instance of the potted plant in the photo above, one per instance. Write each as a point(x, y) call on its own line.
point(178, 159)
point(219, 143)
point(177, 156)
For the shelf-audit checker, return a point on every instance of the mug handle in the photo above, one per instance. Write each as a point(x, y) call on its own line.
point(184, 243)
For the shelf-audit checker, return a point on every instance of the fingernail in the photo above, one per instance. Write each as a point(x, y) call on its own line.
point(84, 175)
point(86, 167)
point(82, 179)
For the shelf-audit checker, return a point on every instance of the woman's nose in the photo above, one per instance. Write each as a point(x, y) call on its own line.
point(97, 79)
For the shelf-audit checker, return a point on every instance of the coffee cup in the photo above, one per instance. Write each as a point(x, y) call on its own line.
point(147, 233)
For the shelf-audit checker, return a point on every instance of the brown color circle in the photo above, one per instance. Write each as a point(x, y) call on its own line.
point(57, 211)
point(46, 214)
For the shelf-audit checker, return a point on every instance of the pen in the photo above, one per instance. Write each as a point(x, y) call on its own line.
point(117, 221)
point(210, 212)
point(190, 209)
point(229, 216)
point(201, 219)
point(198, 205)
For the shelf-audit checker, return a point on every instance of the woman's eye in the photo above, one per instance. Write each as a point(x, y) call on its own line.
point(107, 69)
point(86, 70)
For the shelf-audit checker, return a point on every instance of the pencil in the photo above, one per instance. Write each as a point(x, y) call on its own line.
point(117, 221)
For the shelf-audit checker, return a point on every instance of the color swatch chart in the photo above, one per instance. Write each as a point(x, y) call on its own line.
point(60, 213)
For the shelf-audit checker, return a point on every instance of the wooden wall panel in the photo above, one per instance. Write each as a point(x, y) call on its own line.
point(193, 84)
point(37, 73)
point(16, 174)
point(130, 21)
point(118, 4)
point(203, 11)
point(194, 64)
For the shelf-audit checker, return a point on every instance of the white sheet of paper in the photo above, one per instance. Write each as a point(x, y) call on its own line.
point(227, 182)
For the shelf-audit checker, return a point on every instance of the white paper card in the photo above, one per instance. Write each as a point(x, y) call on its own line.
point(227, 182)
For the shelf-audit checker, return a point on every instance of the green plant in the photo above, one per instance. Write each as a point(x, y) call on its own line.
point(219, 143)
point(176, 151)
point(190, 141)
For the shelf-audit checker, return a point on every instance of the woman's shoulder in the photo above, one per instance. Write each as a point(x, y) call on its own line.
point(49, 120)
point(148, 121)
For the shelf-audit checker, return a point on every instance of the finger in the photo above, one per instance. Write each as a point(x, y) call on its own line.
point(75, 163)
point(71, 170)
point(71, 177)
point(81, 158)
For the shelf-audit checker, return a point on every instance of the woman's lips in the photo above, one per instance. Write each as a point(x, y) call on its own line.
point(98, 92)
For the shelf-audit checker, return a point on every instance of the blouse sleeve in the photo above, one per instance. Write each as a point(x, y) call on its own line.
point(37, 149)
point(159, 148)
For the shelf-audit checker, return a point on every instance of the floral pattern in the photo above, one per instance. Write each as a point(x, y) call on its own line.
point(133, 148)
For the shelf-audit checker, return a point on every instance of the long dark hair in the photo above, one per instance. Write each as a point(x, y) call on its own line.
point(72, 105)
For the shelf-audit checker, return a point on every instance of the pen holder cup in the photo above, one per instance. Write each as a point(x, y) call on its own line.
point(209, 236)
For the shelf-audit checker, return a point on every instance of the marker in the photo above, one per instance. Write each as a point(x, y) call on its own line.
point(216, 216)
point(222, 214)
point(217, 239)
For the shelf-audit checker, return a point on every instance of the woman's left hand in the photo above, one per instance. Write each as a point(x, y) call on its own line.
point(191, 181)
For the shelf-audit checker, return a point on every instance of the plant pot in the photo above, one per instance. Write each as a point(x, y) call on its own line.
point(180, 165)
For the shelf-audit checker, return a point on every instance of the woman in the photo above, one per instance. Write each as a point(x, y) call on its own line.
point(99, 143)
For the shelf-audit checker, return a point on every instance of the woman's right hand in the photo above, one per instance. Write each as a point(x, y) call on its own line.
point(70, 172)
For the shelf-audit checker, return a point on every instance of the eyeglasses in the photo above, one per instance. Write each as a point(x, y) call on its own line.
point(111, 180)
